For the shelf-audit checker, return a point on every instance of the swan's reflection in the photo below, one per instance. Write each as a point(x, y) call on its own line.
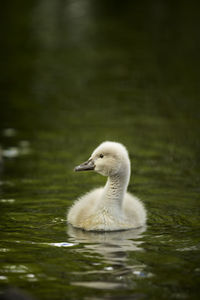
point(114, 249)
point(113, 246)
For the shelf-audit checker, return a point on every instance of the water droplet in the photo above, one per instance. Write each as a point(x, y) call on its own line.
point(108, 268)
point(62, 244)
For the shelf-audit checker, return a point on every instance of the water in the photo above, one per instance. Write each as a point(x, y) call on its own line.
point(76, 73)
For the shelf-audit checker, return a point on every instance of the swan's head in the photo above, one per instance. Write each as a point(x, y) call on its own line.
point(108, 159)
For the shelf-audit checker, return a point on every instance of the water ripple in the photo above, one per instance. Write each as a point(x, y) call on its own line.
point(102, 285)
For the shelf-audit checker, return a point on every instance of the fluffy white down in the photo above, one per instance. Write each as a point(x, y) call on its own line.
point(109, 208)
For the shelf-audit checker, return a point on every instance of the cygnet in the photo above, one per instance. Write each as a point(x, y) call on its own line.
point(111, 207)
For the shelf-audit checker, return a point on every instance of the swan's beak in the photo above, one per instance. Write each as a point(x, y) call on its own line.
point(86, 166)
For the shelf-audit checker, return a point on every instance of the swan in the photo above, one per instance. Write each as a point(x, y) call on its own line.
point(111, 207)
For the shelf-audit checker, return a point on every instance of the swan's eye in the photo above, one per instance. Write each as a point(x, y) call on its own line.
point(101, 155)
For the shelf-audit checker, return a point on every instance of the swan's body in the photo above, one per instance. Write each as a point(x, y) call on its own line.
point(108, 208)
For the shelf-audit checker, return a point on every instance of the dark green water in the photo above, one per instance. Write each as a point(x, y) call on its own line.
point(76, 73)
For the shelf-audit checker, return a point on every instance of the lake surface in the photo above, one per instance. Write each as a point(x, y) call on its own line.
point(76, 73)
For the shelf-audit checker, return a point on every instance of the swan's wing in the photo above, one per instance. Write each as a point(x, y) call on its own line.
point(134, 210)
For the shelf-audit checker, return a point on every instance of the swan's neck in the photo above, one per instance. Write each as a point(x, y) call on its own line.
point(114, 191)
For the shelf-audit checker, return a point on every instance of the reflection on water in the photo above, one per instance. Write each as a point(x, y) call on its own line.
point(114, 249)
point(100, 285)
point(113, 246)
